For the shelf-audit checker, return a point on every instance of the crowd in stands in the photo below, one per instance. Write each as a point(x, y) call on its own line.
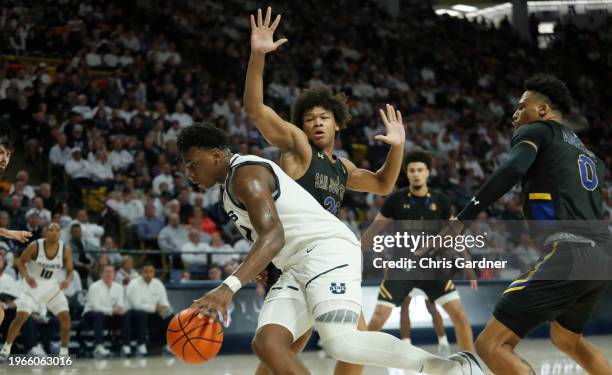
point(96, 118)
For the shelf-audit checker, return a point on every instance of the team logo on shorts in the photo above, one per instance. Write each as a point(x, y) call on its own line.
point(338, 288)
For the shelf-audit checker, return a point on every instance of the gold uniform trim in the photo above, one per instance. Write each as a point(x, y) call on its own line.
point(531, 273)
point(385, 293)
point(540, 196)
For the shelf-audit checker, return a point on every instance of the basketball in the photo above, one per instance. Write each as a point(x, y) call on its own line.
point(193, 339)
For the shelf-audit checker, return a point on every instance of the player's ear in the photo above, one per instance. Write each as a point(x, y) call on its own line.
point(543, 109)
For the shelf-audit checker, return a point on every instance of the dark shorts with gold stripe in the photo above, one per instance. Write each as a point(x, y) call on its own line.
point(394, 292)
point(559, 288)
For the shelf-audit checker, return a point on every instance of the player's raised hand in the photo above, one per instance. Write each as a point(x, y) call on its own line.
point(262, 33)
point(395, 133)
point(18, 235)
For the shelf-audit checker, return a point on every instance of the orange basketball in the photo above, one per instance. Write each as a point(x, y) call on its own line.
point(194, 339)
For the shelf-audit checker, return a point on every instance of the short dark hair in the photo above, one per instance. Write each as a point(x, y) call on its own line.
point(148, 263)
point(418, 154)
point(320, 96)
point(6, 141)
point(75, 225)
point(553, 89)
point(200, 135)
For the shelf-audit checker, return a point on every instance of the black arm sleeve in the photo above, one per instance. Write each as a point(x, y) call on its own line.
point(503, 179)
point(389, 207)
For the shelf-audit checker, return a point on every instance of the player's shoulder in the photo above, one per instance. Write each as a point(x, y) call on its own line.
point(538, 131)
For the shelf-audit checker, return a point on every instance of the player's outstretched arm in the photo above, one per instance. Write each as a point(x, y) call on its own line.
point(382, 181)
point(284, 135)
point(68, 266)
point(253, 186)
point(508, 174)
point(18, 235)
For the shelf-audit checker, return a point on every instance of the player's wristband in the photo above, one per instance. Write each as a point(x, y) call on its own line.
point(233, 283)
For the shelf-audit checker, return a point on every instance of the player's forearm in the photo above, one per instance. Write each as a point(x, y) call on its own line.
point(264, 250)
point(388, 173)
point(253, 90)
point(503, 179)
point(23, 270)
point(69, 275)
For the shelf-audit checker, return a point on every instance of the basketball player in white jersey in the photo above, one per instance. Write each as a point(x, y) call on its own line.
point(40, 266)
point(6, 151)
point(320, 258)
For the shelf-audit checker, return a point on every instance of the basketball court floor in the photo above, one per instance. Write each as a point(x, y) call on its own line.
point(540, 353)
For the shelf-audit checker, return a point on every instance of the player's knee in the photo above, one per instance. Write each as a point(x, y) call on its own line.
point(266, 343)
point(339, 349)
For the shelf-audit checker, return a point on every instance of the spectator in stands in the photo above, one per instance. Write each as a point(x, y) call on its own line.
point(27, 190)
point(214, 272)
point(194, 253)
point(184, 119)
point(82, 108)
point(171, 240)
point(49, 200)
point(79, 171)
point(101, 170)
point(44, 215)
point(132, 212)
point(149, 227)
point(109, 247)
point(223, 252)
point(150, 308)
point(60, 153)
point(106, 308)
point(203, 222)
point(33, 224)
point(91, 231)
point(120, 158)
point(82, 251)
point(16, 213)
point(229, 267)
point(101, 261)
point(186, 208)
point(164, 177)
point(126, 273)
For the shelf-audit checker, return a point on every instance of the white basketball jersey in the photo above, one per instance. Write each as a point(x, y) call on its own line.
point(46, 269)
point(304, 220)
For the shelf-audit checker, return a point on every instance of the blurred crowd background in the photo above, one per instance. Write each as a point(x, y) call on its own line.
point(95, 93)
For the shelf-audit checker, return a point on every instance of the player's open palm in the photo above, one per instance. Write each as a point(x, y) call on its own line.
point(395, 133)
point(262, 33)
